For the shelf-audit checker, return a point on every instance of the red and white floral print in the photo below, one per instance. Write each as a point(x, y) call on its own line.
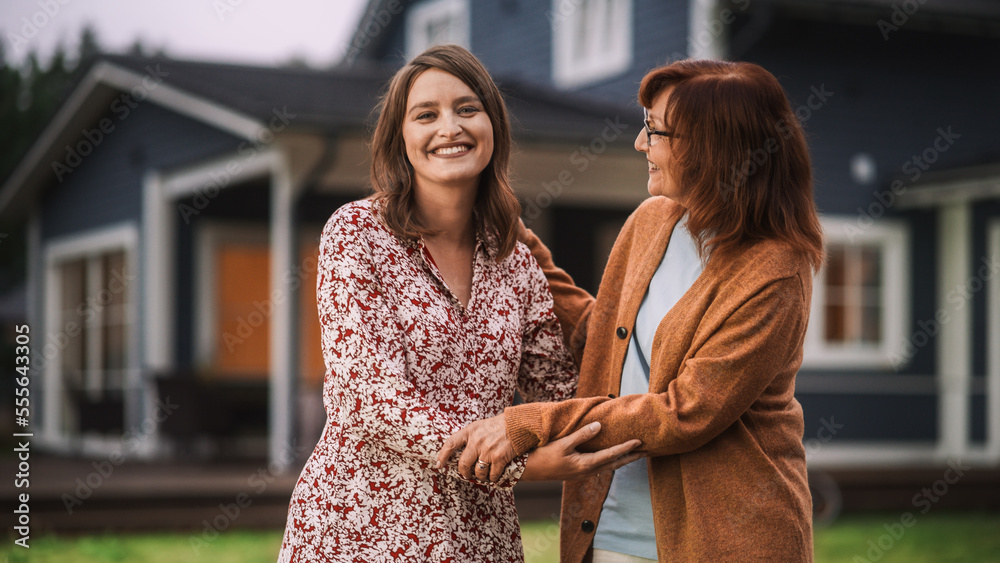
point(407, 366)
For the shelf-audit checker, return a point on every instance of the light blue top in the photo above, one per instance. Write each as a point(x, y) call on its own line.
point(626, 524)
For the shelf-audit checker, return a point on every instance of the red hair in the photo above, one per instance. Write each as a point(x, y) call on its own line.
point(739, 155)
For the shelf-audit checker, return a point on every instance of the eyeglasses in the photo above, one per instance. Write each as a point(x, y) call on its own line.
point(650, 131)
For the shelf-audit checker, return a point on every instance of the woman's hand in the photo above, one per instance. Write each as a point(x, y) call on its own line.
point(486, 441)
point(559, 460)
point(487, 449)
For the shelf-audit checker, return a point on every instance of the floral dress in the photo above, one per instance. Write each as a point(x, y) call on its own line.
point(407, 366)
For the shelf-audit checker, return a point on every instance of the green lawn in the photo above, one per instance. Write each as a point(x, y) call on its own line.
point(932, 538)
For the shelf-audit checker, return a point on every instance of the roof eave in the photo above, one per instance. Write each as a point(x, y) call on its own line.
point(88, 101)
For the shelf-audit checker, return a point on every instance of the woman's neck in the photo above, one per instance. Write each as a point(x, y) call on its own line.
point(448, 214)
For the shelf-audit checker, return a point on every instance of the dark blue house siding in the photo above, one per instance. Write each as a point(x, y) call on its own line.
point(977, 424)
point(513, 39)
point(923, 279)
point(106, 187)
point(392, 50)
point(982, 264)
point(893, 418)
point(890, 99)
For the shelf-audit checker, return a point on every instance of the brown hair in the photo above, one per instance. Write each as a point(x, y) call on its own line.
point(739, 155)
point(497, 208)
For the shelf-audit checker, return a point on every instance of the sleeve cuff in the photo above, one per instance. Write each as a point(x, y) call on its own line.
point(514, 470)
point(523, 424)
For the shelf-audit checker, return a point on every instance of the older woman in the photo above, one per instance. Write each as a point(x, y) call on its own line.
point(432, 315)
point(694, 339)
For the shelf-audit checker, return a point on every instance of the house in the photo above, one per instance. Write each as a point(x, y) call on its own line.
point(174, 210)
point(180, 183)
point(898, 99)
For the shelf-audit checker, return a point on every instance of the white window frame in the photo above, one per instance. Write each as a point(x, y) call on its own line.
point(457, 11)
point(892, 238)
point(569, 70)
point(123, 237)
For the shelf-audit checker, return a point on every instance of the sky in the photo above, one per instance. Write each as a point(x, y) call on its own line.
point(267, 32)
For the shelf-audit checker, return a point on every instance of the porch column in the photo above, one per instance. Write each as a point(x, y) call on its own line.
point(156, 275)
point(706, 40)
point(43, 295)
point(954, 344)
point(284, 321)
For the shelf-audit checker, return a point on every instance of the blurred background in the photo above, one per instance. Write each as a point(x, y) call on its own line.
point(166, 168)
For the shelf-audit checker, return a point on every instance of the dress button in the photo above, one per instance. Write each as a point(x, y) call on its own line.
point(622, 332)
point(587, 526)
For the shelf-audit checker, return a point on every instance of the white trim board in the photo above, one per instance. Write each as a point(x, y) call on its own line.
point(179, 101)
point(952, 192)
point(886, 455)
point(233, 167)
point(96, 241)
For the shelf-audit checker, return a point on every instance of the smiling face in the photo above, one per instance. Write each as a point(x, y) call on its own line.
point(658, 153)
point(447, 133)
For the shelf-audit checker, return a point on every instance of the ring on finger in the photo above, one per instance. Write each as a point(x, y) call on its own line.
point(482, 464)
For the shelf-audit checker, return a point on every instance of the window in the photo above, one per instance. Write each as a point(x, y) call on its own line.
point(591, 40)
point(92, 332)
point(859, 309)
point(853, 284)
point(436, 22)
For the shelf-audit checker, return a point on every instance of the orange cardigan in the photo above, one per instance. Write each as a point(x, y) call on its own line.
point(720, 422)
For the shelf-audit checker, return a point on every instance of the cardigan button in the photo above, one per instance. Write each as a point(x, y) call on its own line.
point(611, 395)
point(587, 526)
point(622, 332)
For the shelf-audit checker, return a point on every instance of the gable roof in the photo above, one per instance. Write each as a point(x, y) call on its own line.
point(327, 99)
point(241, 99)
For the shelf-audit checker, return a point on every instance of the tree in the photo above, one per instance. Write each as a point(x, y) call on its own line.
point(30, 93)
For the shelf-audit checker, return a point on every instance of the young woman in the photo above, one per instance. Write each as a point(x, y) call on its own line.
point(694, 339)
point(432, 315)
